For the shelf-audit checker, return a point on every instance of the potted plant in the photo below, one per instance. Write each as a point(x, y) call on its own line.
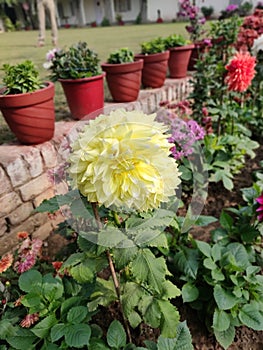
point(123, 75)
point(207, 11)
point(180, 52)
point(155, 57)
point(27, 103)
point(78, 70)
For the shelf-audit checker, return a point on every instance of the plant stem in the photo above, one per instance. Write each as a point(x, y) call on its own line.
point(113, 272)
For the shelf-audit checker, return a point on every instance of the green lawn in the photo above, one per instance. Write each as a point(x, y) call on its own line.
point(18, 46)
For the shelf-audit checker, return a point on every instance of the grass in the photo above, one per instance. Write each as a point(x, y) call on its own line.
point(21, 45)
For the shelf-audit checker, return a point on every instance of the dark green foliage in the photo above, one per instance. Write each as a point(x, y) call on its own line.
point(21, 78)
point(122, 55)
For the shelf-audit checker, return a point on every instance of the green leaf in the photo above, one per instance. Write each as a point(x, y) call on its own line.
point(30, 281)
point(251, 316)
point(227, 182)
point(68, 304)
point(77, 314)
point(187, 261)
point(82, 272)
point(111, 237)
point(58, 331)
point(169, 319)
point(189, 293)
point(204, 220)
point(116, 336)
point(225, 338)
point(6, 329)
point(217, 275)
point(131, 296)
point(97, 344)
point(22, 340)
point(204, 248)
point(103, 294)
point(42, 329)
point(147, 268)
point(52, 288)
point(209, 264)
point(150, 345)
point(221, 320)
point(183, 337)
point(225, 300)
point(150, 310)
point(170, 290)
point(226, 220)
point(240, 254)
point(123, 256)
point(77, 335)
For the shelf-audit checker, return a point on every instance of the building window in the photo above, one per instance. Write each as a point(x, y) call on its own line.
point(122, 5)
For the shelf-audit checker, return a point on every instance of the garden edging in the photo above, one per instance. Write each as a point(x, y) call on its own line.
point(24, 181)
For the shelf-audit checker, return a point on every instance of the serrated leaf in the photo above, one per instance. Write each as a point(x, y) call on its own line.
point(170, 290)
point(69, 303)
point(58, 331)
point(131, 296)
point(82, 272)
point(187, 261)
point(251, 316)
point(78, 335)
point(111, 237)
point(116, 336)
point(104, 293)
point(150, 345)
point(78, 209)
point(147, 268)
point(225, 299)
point(150, 310)
point(30, 281)
point(22, 340)
point(225, 338)
point(123, 256)
point(134, 319)
point(221, 320)
point(42, 329)
point(169, 319)
point(183, 337)
point(189, 293)
point(77, 314)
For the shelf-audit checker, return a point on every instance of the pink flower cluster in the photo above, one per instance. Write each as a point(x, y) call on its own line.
point(28, 252)
point(184, 131)
point(191, 12)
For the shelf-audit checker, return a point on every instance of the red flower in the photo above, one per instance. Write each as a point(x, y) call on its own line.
point(22, 235)
point(259, 200)
point(241, 71)
point(6, 262)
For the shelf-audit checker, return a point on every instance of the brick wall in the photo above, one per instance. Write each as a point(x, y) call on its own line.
point(24, 181)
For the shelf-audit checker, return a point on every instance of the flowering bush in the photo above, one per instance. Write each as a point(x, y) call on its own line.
point(75, 62)
point(195, 29)
point(184, 131)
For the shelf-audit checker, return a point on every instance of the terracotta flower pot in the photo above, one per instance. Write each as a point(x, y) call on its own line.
point(178, 60)
point(84, 96)
point(124, 80)
point(30, 116)
point(154, 68)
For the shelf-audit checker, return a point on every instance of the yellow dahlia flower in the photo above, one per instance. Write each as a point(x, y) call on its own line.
point(123, 159)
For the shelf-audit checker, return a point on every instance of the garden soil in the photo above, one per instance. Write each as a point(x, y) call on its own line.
point(217, 199)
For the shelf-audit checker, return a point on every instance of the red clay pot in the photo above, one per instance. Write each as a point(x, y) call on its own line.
point(124, 80)
point(178, 60)
point(154, 68)
point(84, 96)
point(30, 116)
